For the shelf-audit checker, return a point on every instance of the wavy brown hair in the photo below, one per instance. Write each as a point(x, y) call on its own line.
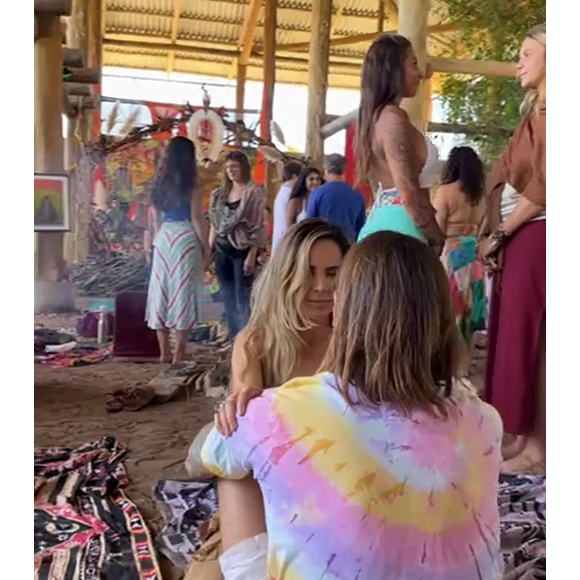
point(245, 168)
point(395, 339)
point(381, 85)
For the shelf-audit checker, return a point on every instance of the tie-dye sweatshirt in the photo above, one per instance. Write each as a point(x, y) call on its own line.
point(365, 493)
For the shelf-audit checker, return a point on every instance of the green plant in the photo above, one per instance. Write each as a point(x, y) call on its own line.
point(489, 30)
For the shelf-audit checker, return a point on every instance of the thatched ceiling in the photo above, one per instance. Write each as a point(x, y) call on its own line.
point(203, 36)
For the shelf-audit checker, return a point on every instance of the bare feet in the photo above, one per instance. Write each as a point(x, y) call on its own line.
point(530, 459)
point(165, 358)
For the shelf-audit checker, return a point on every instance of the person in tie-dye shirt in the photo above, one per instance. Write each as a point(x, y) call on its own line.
point(383, 467)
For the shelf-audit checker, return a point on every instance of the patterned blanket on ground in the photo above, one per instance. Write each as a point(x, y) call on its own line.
point(85, 528)
point(522, 508)
point(188, 507)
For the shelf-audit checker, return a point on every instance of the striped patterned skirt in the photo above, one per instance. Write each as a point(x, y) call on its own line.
point(176, 278)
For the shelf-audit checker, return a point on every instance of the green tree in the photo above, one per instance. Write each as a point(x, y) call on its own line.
point(489, 30)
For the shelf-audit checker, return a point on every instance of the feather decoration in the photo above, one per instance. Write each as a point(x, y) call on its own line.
point(113, 117)
point(129, 122)
point(277, 132)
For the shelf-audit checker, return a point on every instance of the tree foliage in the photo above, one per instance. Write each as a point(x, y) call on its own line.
point(490, 30)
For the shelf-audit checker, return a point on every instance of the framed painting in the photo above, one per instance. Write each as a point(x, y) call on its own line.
point(51, 203)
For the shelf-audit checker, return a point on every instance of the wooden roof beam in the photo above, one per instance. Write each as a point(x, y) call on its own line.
point(248, 30)
point(337, 18)
point(358, 38)
point(174, 31)
point(53, 7)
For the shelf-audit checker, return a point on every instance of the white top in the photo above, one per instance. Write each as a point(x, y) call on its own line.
point(509, 200)
point(432, 168)
point(280, 205)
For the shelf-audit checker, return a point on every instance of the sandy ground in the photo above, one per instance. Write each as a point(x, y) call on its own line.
point(69, 409)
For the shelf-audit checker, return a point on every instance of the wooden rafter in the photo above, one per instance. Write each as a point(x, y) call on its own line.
point(248, 30)
point(337, 18)
point(177, 5)
point(358, 38)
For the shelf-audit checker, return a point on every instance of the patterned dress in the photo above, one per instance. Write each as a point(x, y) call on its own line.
point(359, 492)
point(466, 279)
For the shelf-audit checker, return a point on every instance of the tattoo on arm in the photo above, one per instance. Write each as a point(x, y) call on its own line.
point(403, 166)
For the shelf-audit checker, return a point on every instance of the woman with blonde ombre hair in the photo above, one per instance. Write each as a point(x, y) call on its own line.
point(287, 336)
point(513, 247)
point(380, 466)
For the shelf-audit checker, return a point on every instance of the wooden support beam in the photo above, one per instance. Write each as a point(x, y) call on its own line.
point(248, 29)
point(473, 67)
point(341, 123)
point(270, 20)
point(240, 90)
point(53, 7)
point(95, 57)
point(49, 264)
point(358, 38)
point(337, 18)
point(413, 16)
point(338, 124)
point(164, 46)
point(458, 129)
point(174, 31)
point(381, 19)
point(318, 78)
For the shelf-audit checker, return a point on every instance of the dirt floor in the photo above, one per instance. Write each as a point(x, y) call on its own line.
point(69, 409)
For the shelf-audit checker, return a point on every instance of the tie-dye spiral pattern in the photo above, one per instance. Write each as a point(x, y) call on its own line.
point(362, 493)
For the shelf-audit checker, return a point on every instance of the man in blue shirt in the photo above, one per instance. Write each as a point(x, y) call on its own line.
point(336, 201)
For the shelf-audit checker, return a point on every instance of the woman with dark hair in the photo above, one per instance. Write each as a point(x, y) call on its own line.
point(460, 207)
point(236, 235)
point(390, 150)
point(383, 466)
point(181, 249)
point(308, 180)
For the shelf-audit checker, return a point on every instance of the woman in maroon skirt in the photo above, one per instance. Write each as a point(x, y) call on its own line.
point(514, 249)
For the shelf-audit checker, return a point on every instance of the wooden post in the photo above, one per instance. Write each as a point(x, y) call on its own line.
point(381, 22)
point(413, 15)
point(318, 78)
point(270, 9)
point(76, 39)
point(95, 58)
point(240, 91)
point(51, 292)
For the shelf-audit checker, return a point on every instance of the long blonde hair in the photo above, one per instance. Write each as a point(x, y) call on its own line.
point(277, 318)
point(533, 99)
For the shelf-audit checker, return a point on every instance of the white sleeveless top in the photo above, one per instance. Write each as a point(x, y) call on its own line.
point(432, 168)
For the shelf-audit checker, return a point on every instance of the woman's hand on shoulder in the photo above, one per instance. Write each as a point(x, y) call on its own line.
point(225, 419)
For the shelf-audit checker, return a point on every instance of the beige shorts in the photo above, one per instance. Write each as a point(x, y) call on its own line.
point(247, 560)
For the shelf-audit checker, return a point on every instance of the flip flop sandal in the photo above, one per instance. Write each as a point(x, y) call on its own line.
point(115, 401)
point(136, 398)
